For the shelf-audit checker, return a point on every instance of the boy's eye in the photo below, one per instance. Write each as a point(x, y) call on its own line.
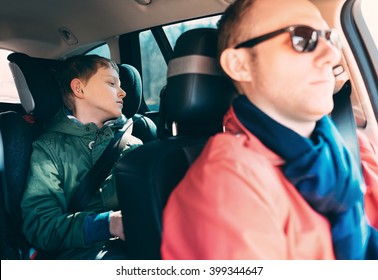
point(112, 84)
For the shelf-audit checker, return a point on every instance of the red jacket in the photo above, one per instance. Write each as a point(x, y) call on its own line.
point(235, 203)
point(369, 158)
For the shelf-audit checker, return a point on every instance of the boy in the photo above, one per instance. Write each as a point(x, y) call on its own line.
point(62, 156)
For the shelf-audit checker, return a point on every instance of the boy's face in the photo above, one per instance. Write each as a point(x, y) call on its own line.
point(102, 97)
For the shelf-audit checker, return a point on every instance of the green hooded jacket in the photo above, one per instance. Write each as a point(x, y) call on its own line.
point(61, 158)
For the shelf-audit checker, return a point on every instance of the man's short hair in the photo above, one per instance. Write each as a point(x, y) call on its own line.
point(229, 26)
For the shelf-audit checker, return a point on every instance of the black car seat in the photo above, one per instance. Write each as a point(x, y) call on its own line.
point(18, 132)
point(40, 98)
point(15, 142)
point(143, 127)
point(192, 106)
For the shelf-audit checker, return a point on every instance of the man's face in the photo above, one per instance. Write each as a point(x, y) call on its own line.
point(103, 95)
point(289, 86)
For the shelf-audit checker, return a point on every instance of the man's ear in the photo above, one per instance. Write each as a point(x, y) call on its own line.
point(76, 87)
point(235, 63)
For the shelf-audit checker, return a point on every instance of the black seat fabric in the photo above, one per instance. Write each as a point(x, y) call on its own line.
point(36, 85)
point(16, 141)
point(192, 106)
point(197, 94)
point(143, 127)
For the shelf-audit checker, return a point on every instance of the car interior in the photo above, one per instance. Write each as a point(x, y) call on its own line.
point(148, 174)
point(40, 98)
point(187, 107)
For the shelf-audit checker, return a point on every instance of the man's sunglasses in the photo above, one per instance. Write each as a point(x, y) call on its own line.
point(303, 38)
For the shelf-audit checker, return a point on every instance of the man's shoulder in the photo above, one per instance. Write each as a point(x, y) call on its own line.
point(233, 146)
point(244, 154)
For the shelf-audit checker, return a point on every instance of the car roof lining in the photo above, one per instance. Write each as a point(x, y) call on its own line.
point(109, 19)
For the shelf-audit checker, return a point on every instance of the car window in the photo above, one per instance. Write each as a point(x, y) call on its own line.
point(8, 91)
point(173, 31)
point(154, 68)
point(102, 50)
point(366, 53)
point(369, 8)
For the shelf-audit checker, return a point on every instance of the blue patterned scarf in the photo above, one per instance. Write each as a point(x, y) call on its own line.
point(323, 171)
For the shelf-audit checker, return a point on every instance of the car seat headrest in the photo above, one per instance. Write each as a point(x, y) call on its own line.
point(197, 93)
point(39, 91)
point(131, 83)
point(36, 85)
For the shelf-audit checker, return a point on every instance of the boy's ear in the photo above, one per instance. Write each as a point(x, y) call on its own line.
point(235, 63)
point(76, 87)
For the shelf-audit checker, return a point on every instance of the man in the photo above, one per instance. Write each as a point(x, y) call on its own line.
point(64, 154)
point(279, 184)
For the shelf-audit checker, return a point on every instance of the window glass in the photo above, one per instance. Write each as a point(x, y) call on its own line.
point(102, 50)
point(369, 11)
point(8, 91)
point(154, 68)
point(173, 31)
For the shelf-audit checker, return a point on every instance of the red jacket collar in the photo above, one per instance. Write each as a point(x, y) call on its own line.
point(232, 125)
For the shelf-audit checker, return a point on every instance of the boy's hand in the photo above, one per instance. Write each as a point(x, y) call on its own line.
point(116, 225)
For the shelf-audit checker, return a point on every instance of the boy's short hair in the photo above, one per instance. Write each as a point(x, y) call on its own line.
point(82, 67)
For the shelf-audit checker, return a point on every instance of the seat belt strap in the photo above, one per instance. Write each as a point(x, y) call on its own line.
point(344, 120)
point(99, 171)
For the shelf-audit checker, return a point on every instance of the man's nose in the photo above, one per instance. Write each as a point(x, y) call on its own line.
point(328, 53)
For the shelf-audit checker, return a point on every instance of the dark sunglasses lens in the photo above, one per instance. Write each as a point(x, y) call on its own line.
point(333, 37)
point(304, 39)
